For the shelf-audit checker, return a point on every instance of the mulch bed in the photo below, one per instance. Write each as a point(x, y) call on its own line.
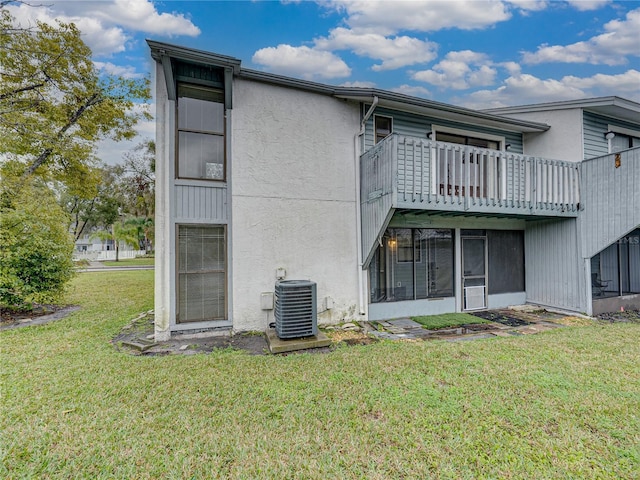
point(632, 316)
point(501, 317)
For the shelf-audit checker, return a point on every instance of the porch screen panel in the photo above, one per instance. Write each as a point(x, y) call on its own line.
point(436, 246)
point(506, 261)
point(412, 264)
point(634, 261)
point(201, 273)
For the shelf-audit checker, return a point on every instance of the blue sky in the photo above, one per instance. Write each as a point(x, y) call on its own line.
point(476, 53)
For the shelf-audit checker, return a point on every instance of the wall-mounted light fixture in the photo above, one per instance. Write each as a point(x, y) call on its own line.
point(429, 135)
point(507, 146)
point(609, 136)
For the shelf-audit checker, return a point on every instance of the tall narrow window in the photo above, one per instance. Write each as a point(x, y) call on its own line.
point(201, 133)
point(201, 273)
point(383, 127)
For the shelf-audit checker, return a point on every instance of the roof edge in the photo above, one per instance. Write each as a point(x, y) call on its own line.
point(610, 101)
point(160, 50)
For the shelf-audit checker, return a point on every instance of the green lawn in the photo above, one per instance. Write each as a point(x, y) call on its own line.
point(130, 262)
point(562, 404)
point(447, 320)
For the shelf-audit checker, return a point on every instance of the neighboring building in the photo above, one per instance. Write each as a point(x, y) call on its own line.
point(393, 205)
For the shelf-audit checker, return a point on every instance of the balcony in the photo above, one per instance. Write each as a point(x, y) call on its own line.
point(403, 172)
point(429, 175)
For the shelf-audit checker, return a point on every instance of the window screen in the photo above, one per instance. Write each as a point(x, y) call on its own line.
point(412, 264)
point(506, 261)
point(201, 273)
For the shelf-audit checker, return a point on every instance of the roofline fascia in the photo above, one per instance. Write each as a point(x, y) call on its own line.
point(610, 101)
point(160, 50)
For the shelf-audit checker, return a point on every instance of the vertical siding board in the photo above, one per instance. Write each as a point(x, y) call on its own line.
point(418, 126)
point(552, 264)
point(610, 199)
point(201, 204)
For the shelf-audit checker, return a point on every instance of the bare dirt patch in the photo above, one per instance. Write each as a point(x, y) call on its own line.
point(39, 315)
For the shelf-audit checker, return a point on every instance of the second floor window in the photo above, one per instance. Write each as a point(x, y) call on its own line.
point(201, 133)
point(383, 127)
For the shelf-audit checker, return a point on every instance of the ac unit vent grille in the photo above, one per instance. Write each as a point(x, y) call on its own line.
point(295, 309)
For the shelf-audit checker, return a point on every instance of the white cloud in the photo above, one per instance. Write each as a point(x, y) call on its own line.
point(387, 17)
point(118, 70)
point(459, 71)
point(625, 84)
point(524, 89)
point(585, 5)
point(107, 26)
point(413, 90)
point(101, 39)
point(529, 5)
point(393, 52)
point(621, 38)
point(141, 15)
point(302, 61)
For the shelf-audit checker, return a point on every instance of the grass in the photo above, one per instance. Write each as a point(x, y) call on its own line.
point(445, 320)
point(562, 404)
point(130, 262)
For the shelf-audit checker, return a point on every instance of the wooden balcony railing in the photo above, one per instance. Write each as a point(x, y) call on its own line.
point(424, 174)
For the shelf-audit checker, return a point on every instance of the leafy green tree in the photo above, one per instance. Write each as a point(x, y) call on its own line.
point(35, 248)
point(144, 228)
point(119, 233)
point(55, 106)
point(99, 211)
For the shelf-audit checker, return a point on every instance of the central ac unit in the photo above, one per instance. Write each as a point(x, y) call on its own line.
point(295, 310)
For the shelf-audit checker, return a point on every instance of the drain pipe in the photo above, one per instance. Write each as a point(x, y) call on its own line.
point(362, 298)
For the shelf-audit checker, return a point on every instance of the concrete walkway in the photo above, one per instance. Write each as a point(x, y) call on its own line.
point(138, 337)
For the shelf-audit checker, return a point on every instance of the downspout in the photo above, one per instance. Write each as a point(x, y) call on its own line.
point(362, 298)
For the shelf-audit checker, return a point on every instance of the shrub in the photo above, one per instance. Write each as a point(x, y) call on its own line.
point(35, 248)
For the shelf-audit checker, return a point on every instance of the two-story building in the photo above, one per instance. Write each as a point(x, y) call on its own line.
point(393, 205)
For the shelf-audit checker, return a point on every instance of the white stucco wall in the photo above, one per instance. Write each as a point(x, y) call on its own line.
point(563, 141)
point(293, 198)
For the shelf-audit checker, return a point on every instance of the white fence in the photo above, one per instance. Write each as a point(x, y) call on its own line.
point(107, 255)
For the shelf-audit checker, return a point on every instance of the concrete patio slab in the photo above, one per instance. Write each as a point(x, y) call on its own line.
point(278, 345)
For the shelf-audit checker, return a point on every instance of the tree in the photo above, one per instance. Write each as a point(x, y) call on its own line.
point(54, 108)
point(97, 212)
point(144, 229)
point(138, 179)
point(54, 105)
point(118, 233)
point(35, 248)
